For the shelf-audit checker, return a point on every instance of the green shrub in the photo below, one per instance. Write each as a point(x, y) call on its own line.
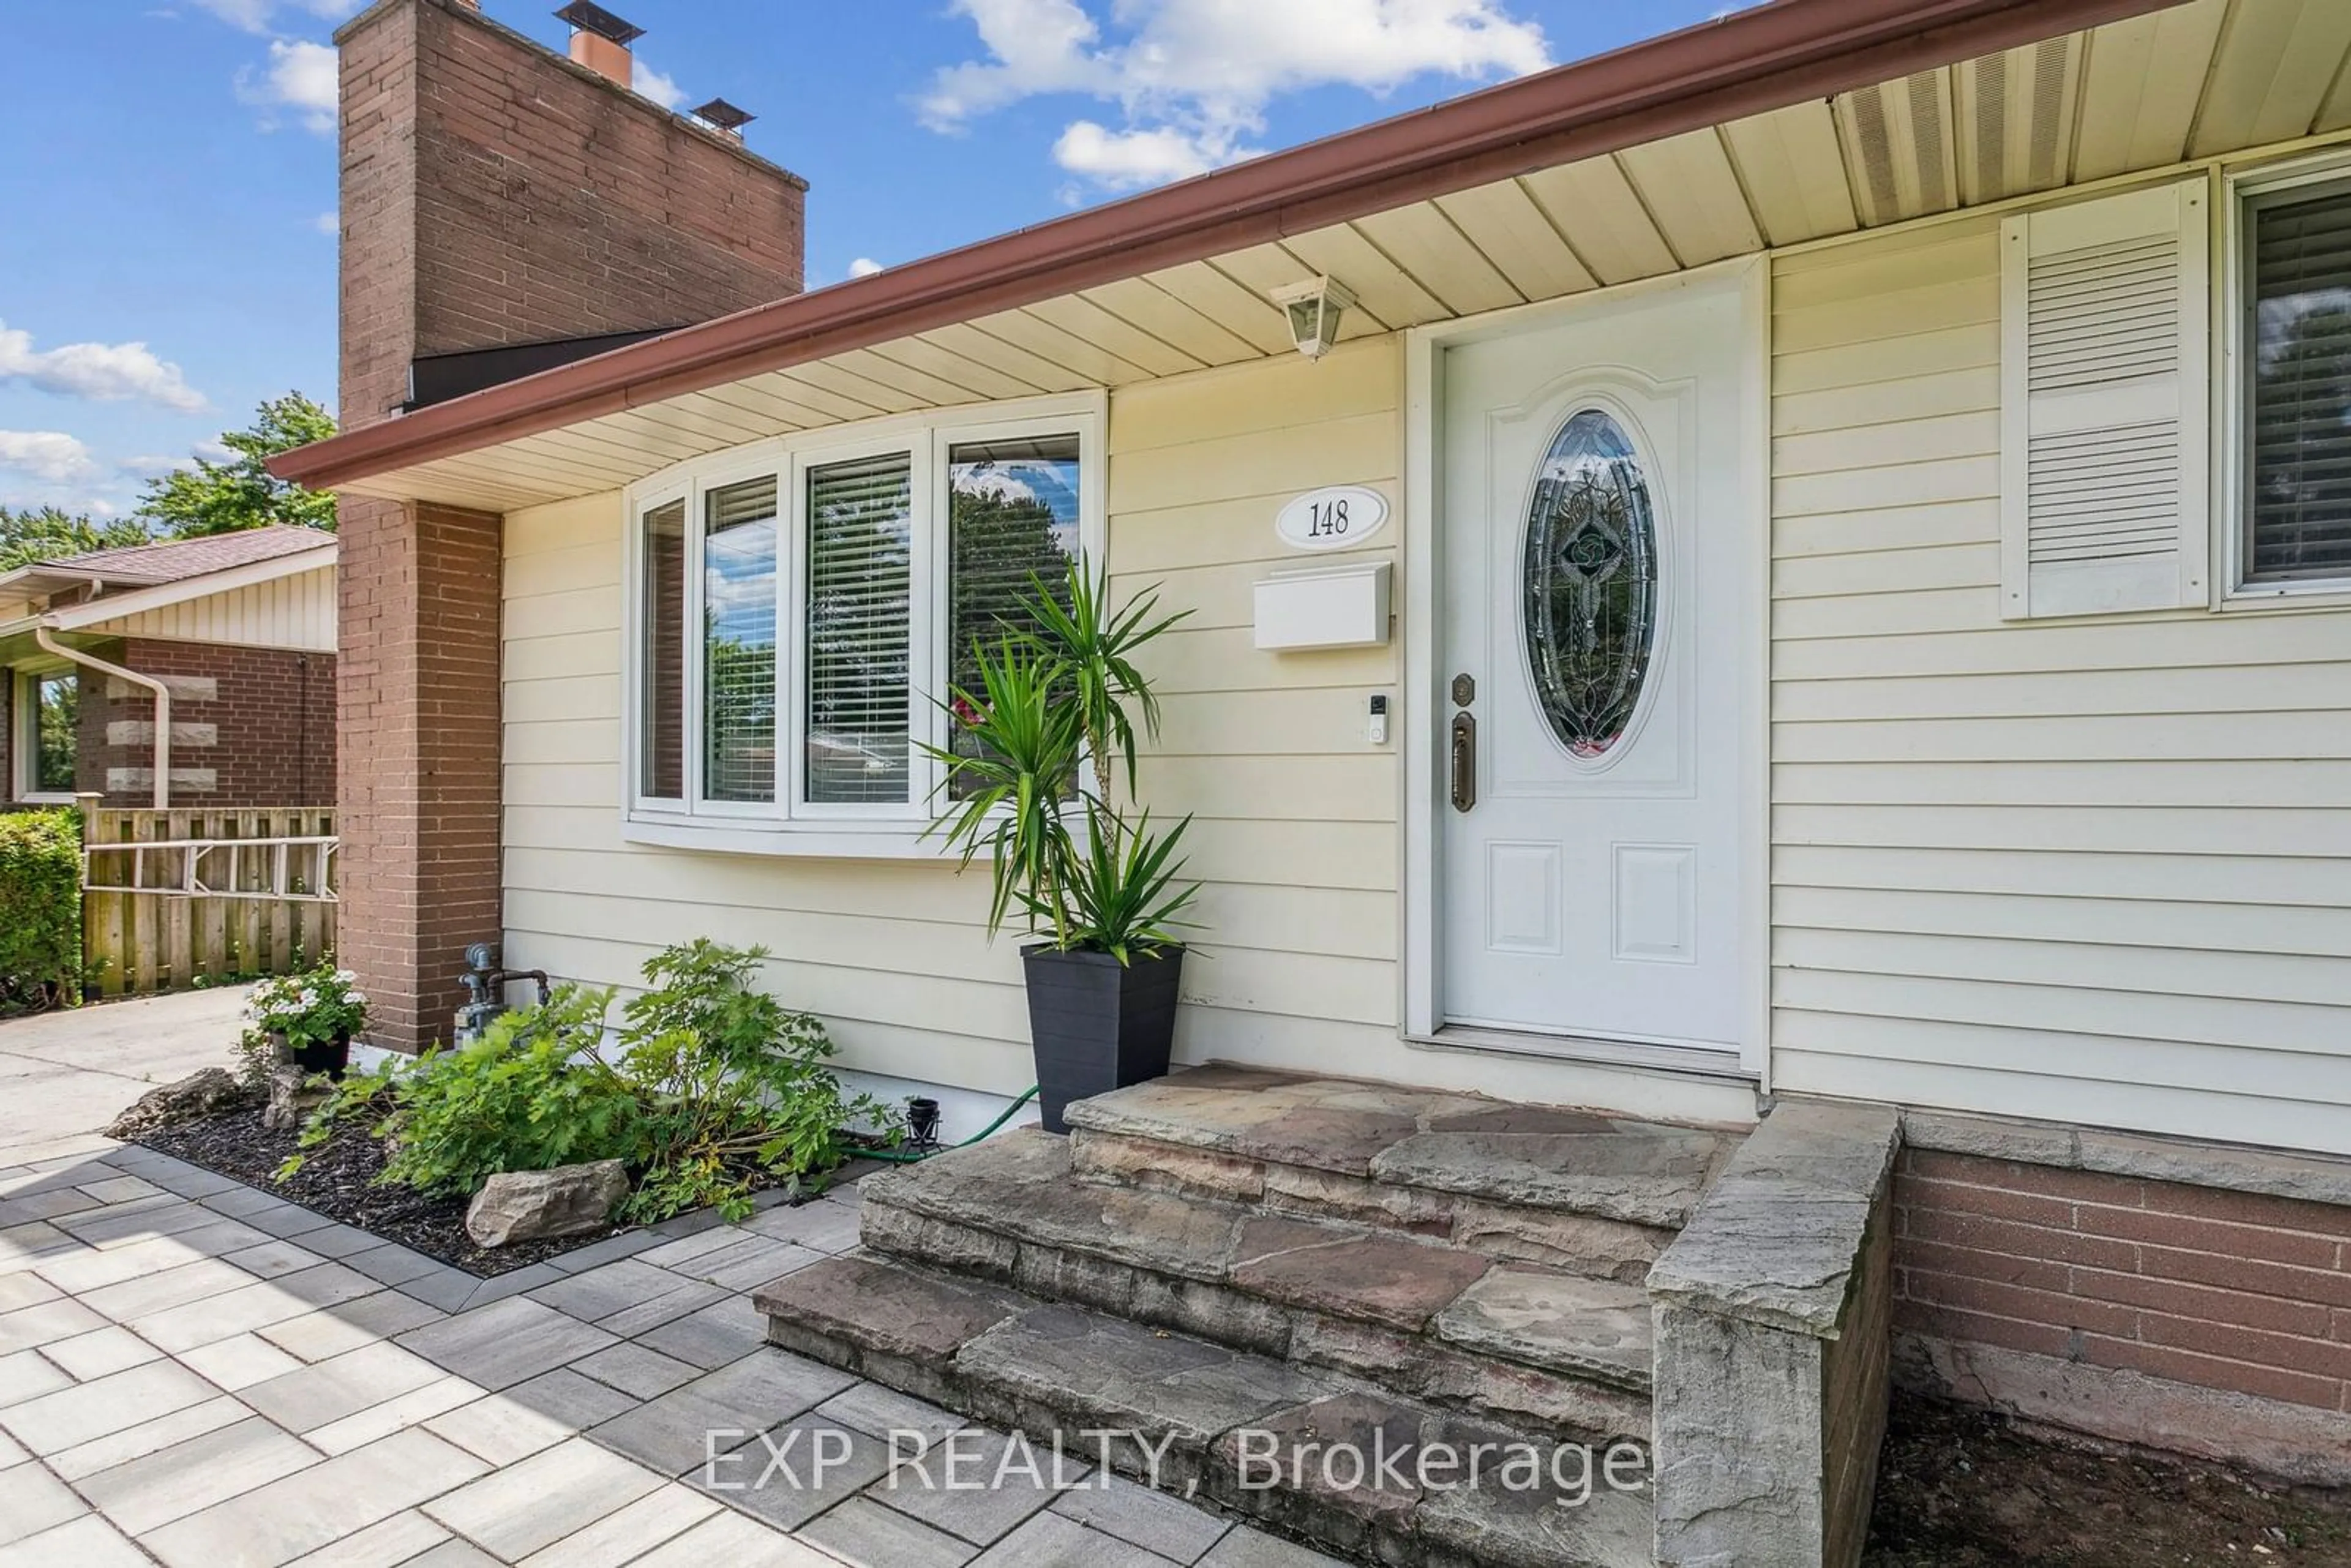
point(530, 1096)
point(716, 1087)
point(732, 1083)
point(40, 909)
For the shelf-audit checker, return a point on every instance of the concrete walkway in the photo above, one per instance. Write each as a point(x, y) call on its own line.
point(65, 1075)
point(195, 1372)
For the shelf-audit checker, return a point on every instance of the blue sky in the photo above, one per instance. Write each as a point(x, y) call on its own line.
point(171, 257)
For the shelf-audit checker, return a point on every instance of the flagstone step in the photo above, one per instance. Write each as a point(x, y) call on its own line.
point(1241, 1430)
point(1563, 1352)
point(1569, 1188)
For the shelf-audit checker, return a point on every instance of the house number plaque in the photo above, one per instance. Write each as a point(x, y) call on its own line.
point(1332, 518)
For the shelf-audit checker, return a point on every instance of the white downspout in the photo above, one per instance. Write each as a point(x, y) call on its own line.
point(162, 706)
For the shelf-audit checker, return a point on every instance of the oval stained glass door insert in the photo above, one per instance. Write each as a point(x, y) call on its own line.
point(1591, 584)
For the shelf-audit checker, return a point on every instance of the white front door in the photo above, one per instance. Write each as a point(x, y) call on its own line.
point(1597, 652)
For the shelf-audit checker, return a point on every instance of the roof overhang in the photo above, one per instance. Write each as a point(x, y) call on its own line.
point(48, 576)
point(93, 613)
point(1754, 61)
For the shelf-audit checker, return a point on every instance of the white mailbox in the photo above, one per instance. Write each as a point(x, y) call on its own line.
point(1324, 607)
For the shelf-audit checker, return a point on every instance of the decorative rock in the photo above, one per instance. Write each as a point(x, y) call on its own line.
point(532, 1206)
point(203, 1094)
point(292, 1098)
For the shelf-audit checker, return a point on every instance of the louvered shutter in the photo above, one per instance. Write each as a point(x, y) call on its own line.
point(2104, 395)
point(860, 631)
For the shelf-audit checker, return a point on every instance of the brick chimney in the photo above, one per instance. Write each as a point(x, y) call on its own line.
point(495, 194)
point(601, 41)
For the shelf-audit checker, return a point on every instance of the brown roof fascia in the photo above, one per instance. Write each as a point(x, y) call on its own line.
point(1747, 63)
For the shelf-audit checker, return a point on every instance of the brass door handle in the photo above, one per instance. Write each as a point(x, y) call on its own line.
point(1464, 762)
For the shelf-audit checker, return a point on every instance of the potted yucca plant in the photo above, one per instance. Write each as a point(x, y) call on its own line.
point(1030, 781)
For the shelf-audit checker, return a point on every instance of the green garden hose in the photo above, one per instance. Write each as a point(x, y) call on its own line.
point(915, 1156)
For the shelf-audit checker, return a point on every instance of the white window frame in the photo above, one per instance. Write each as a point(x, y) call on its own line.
point(2232, 480)
point(24, 736)
point(791, 825)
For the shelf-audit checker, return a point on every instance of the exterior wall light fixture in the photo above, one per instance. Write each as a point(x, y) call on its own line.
point(1313, 309)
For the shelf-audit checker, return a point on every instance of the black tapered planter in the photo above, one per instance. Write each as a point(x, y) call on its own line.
point(1097, 1024)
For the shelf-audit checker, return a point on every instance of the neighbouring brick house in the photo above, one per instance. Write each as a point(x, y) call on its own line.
point(238, 630)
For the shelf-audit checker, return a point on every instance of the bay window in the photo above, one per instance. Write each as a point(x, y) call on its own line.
point(791, 651)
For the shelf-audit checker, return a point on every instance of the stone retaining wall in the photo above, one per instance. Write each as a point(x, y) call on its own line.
point(1771, 1315)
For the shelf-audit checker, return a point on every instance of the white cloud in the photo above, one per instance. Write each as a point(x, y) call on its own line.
point(1194, 76)
point(302, 77)
point(50, 456)
point(1123, 159)
point(328, 223)
point(652, 84)
point(253, 15)
point(153, 466)
point(110, 372)
point(864, 267)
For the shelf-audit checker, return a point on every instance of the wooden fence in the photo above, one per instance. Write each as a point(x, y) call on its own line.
point(170, 898)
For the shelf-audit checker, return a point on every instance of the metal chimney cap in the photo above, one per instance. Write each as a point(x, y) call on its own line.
point(724, 115)
point(589, 17)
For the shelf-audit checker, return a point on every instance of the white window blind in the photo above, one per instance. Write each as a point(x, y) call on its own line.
point(2104, 442)
point(661, 762)
point(738, 679)
point(859, 587)
point(2298, 424)
point(799, 608)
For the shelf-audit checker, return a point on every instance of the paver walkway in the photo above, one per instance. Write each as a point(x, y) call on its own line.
point(195, 1372)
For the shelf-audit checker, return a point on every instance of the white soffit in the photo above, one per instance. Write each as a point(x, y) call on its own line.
point(2207, 78)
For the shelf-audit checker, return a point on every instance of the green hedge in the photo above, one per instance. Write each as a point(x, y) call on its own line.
point(40, 909)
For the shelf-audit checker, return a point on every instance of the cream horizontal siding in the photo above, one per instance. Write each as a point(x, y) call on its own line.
point(1295, 829)
point(295, 611)
point(2096, 871)
point(1295, 833)
point(891, 955)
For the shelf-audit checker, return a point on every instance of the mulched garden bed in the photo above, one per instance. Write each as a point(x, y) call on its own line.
point(1964, 1488)
point(337, 1179)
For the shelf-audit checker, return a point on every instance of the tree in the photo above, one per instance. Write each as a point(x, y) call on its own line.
point(223, 497)
point(48, 534)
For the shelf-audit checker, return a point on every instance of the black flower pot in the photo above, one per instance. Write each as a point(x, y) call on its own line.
point(331, 1057)
point(1098, 1025)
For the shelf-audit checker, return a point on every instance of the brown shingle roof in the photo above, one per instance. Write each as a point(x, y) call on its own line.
point(176, 560)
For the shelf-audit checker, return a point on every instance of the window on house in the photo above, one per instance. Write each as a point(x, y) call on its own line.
point(1012, 530)
point(47, 731)
point(792, 655)
point(738, 642)
point(2297, 355)
point(661, 653)
point(861, 551)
